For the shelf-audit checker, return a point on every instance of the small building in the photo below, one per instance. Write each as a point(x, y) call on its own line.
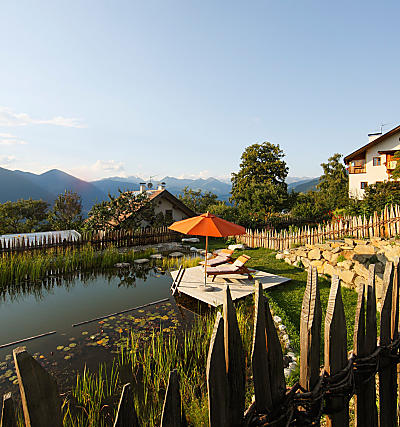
point(166, 203)
point(372, 163)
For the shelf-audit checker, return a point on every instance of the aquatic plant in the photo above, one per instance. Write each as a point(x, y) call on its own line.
point(145, 362)
point(37, 266)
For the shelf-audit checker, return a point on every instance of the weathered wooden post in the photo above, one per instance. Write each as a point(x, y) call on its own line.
point(259, 355)
point(234, 359)
point(8, 412)
point(39, 394)
point(365, 337)
point(310, 334)
point(217, 381)
point(126, 413)
point(173, 414)
point(336, 352)
point(387, 375)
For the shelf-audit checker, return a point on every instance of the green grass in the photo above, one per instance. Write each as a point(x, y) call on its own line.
point(286, 300)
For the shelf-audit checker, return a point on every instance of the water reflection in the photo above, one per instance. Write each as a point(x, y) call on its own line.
point(128, 277)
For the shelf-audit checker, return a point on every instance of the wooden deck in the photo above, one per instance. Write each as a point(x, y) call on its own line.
point(192, 284)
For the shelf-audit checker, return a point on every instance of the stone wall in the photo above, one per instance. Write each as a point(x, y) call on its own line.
point(349, 259)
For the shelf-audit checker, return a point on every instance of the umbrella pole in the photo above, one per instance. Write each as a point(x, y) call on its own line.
point(205, 264)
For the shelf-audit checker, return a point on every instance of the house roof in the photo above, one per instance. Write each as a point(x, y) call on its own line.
point(165, 194)
point(361, 150)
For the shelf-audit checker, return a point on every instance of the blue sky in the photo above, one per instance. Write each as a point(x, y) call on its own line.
point(180, 88)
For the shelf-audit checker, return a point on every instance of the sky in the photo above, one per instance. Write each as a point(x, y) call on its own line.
point(181, 88)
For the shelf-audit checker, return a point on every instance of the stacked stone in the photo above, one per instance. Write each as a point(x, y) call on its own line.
point(349, 259)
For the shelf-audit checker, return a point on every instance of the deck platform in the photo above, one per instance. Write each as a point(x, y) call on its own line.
point(192, 284)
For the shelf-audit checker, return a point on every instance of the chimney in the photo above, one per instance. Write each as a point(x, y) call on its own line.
point(373, 136)
point(142, 187)
point(161, 186)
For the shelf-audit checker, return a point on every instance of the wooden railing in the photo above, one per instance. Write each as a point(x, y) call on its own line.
point(100, 240)
point(356, 169)
point(320, 391)
point(385, 225)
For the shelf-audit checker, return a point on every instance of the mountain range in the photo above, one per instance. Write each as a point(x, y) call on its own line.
point(15, 185)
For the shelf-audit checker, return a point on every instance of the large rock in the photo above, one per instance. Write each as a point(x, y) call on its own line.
point(239, 247)
point(336, 249)
point(348, 254)
point(177, 254)
point(323, 246)
point(301, 252)
point(360, 270)
point(280, 256)
point(346, 265)
point(334, 259)
point(314, 254)
point(364, 250)
point(141, 261)
point(306, 262)
point(330, 270)
point(347, 276)
point(327, 255)
point(348, 242)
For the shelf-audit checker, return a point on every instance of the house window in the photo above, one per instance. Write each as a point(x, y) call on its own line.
point(377, 161)
point(168, 215)
point(364, 185)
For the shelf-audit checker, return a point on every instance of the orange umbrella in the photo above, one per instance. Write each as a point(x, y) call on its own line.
point(207, 225)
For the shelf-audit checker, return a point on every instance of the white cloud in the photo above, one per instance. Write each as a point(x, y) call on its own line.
point(6, 160)
point(10, 118)
point(8, 139)
point(108, 166)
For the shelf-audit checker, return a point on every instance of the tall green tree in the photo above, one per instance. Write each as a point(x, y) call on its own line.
point(127, 211)
point(334, 183)
point(196, 200)
point(259, 187)
point(66, 213)
point(23, 216)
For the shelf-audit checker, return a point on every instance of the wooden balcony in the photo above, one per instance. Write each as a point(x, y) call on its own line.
point(357, 169)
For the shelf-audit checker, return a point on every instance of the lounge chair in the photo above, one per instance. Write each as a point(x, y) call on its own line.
point(238, 267)
point(222, 257)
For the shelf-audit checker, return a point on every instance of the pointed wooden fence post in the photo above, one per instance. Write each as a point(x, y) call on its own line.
point(259, 355)
point(310, 335)
point(8, 412)
point(126, 413)
point(387, 376)
point(275, 359)
point(39, 394)
point(173, 414)
point(365, 337)
point(217, 381)
point(336, 352)
point(234, 359)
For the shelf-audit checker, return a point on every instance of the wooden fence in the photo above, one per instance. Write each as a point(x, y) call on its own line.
point(320, 391)
point(385, 225)
point(100, 240)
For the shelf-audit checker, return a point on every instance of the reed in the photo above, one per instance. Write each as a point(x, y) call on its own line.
point(34, 267)
point(146, 361)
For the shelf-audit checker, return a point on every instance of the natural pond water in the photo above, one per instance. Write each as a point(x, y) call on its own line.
point(58, 303)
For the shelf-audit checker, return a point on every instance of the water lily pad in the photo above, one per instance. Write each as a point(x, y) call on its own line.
point(100, 342)
point(8, 357)
point(73, 344)
point(8, 373)
point(85, 332)
point(67, 357)
point(72, 339)
point(15, 382)
point(60, 347)
point(164, 317)
point(67, 349)
point(92, 337)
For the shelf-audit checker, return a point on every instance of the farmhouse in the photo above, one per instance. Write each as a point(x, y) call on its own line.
point(166, 203)
point(374, 162)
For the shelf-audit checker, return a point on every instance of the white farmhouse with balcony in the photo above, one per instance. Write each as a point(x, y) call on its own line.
point(372, 163)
